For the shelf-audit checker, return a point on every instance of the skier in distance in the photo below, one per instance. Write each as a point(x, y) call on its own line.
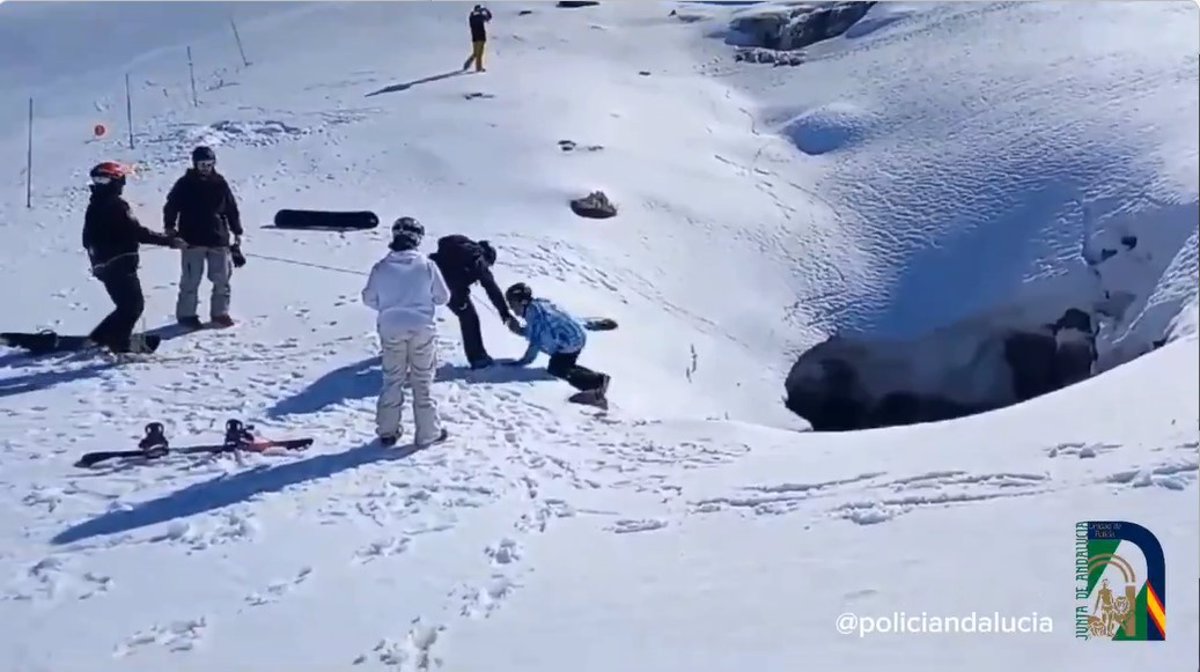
point(478, 22)
point(405, 288)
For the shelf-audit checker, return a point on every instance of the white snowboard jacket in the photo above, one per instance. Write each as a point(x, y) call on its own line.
point(405, 288)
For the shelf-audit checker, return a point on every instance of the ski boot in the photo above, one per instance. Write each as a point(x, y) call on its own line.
point(597, 397)
point(155, 443)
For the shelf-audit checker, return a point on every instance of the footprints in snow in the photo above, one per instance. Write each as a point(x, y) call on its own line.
point(278, 589)
point(52, 578)
point(410, 654)
point(176, 636)
point(384, 548)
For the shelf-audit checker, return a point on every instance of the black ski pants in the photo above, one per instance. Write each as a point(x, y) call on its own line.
point(123, 286)
point(564, 366)
point(468, 322)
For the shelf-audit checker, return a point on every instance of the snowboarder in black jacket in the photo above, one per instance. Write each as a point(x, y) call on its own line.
point(111, 236)
point(477, 20)
point(463, 262)
point(203, 210)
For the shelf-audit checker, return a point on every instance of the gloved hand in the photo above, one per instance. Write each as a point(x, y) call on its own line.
point(513, 325)
point(178, 244)
point(235, 252)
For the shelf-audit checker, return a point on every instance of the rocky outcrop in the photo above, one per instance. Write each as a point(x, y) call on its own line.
point(847, 384)
point(798, 27)
point(771, 56)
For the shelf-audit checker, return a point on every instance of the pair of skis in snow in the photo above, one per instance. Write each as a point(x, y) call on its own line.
point(239, 437)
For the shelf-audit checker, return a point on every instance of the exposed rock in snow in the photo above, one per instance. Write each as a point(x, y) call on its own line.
point(762, 55)
point(594, 206)
point(786, 28)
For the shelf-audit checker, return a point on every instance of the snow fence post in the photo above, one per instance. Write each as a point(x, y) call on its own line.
point(29, 161)
point(238, 39)
point(192, 74)
point(129, 109)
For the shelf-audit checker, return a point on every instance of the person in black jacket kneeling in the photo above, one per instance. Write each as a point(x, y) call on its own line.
point(203, 210)
point(111, 236)
point(463, 262)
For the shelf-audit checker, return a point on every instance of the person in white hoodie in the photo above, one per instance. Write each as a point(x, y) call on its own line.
point(405, 288)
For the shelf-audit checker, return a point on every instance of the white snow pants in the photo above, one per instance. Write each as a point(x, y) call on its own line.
point(410, 357)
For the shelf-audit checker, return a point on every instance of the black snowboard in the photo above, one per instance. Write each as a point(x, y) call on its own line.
point(326, 220)
point(48, 342)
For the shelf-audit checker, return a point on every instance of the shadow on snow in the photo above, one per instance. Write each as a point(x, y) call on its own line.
point(363, 379)
point(45, 379)
point(416, 82)
point(225, 490)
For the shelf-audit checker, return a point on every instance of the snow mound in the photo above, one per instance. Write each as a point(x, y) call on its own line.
point(828, 128)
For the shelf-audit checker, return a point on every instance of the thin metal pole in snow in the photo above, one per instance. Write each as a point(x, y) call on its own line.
point(192, 74)
point(129, 110)
point(29, 161)
point(239, 42)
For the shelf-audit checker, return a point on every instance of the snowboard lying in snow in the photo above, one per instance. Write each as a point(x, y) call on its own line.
point(48, 342)
point(326, 220)
point(239, 437)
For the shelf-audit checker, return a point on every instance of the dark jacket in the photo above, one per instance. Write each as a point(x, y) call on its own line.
point(111, 233)
point(203, 209)
point(478, 21)
point(463, 263)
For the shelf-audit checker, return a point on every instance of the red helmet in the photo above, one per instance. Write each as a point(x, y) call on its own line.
point(108, 172)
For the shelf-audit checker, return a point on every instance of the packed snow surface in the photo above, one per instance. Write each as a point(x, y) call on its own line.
point(934, 165)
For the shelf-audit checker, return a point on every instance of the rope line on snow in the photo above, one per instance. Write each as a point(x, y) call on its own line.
point(303, 263)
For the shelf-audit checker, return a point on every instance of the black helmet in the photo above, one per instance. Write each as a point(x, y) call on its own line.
point(407, 234)
point(203, 153)
point(519, 293)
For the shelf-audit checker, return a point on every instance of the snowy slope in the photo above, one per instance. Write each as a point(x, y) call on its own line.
point(692, 527)
point(995, 175)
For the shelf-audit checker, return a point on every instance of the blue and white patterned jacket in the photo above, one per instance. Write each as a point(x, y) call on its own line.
point(550, 330)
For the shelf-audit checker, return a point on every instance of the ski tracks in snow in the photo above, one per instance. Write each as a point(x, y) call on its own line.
point(877, 497)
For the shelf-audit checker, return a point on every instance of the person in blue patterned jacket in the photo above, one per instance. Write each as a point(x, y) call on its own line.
point(551, 330)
